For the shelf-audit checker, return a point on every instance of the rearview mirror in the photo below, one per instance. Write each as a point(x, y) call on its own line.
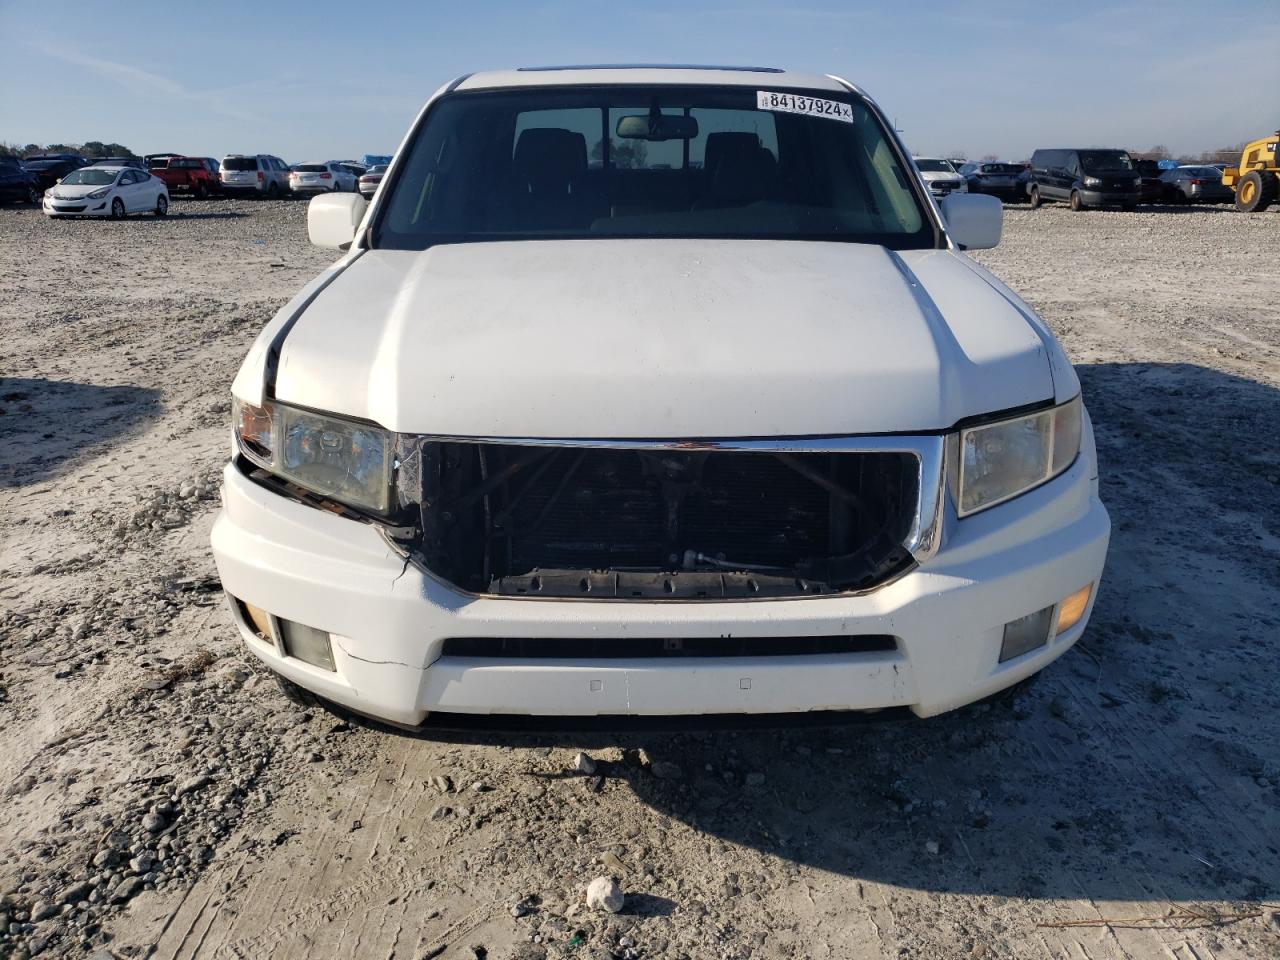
point(333, 218)
point(655, 126)
point(974, 220)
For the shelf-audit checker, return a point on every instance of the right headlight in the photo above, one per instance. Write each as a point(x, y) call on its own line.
point(1000, 460)
point(340, 459)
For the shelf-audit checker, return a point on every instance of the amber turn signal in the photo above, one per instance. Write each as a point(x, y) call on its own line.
point(261, 621)
point(1072, 609)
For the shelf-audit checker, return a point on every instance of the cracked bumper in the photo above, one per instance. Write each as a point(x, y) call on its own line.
point(389, 622)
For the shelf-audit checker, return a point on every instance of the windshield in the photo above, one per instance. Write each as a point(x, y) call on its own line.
point(1001, 168)
point(1092, 161)
point(657, 161)
point(934, 166)
point(311, 168)
point(89, 176)
point(377, 168)
point(240, 163)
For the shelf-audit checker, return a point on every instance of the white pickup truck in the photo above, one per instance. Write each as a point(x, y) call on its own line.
point(656, 391)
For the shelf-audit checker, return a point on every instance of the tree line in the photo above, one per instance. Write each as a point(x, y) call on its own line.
point(92, 149)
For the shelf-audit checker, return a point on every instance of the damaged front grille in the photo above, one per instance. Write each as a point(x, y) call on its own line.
point(659, 522)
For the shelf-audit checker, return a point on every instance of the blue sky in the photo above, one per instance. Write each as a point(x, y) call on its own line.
point(308, 79)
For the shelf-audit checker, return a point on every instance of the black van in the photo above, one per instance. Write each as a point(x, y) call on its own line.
point(1084, 178)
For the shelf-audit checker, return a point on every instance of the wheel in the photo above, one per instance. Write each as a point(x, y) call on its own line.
point(1076, 203)
point(33, 195)
point(117, 209)
point(273, 190)
point(162, 205)
point(201, 191)
point(1035, 198)
point(1256, 191)
point(1128, 207)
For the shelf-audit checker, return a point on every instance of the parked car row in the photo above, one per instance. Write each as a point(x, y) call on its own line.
point(1081, 178)
point(28, 180)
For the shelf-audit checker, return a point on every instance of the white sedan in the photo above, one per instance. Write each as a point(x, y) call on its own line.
point(107, 192)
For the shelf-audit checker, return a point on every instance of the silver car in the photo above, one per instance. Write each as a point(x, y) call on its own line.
point(321, 177)
point(260, 174)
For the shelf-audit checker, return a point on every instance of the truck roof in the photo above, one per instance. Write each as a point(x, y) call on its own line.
point(649, 74)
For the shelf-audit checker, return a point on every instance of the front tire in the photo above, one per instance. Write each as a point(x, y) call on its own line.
point(117, 209)
point(273, 191)
point(33, 195)
point(162, 206)
point(1076, 203)
point(1035, 198)
point(1256, 191)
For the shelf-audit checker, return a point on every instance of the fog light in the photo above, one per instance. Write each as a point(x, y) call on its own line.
point(1072, 609)
point(307, 644)
point(260, 619)
point(1025, 634)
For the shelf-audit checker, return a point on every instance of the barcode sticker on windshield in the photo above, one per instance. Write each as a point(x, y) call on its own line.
point(811, 106)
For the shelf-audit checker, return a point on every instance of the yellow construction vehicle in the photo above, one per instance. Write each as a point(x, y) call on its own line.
point(1257, 179)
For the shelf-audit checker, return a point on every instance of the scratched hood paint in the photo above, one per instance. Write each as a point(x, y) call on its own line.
point(664, 339)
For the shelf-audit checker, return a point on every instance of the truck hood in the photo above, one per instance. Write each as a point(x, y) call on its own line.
point(652, 339)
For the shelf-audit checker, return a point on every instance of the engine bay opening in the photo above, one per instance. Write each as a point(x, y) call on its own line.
point(664, 523)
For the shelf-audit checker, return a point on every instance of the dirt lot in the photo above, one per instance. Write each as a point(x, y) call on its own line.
point(162, 799)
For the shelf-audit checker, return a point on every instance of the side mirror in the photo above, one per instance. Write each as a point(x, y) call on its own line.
point(333, 218)
point(974, 220)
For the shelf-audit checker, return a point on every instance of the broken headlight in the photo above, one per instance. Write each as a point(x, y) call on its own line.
point(1000, 460)
point(336, 458)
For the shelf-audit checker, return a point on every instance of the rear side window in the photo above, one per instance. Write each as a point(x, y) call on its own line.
point(240, 163)
point(585, 124)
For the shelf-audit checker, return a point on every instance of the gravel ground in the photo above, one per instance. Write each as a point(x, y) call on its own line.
point(162, 799)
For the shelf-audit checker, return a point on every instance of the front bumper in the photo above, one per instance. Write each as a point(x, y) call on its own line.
point(389, 621)
point(1099, 198)
point(76, 208)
